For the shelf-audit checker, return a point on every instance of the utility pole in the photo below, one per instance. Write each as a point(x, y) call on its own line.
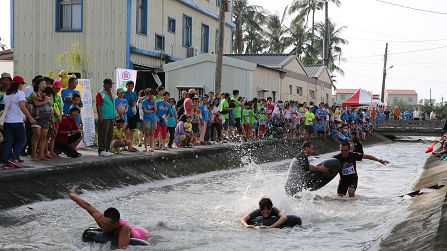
point(326, 40)
point(430, 98)
point(382, 97)
point(220, 47)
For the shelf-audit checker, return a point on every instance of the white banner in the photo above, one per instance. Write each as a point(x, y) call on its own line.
point(124, 75)
point(87, 114)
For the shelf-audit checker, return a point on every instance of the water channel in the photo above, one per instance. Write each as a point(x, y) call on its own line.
point(203, 211)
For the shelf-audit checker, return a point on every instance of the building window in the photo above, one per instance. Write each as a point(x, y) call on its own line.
point(343, 97)
point(171, 25)
point(327, 98)
point(216, 42)
point(142, 17)
point(159, 42)
point(312, 94)
point(187, 31)
point(290, 89)
point(299, 91)
point(218, 2)
point(395, 99)
point(205, 38)
point(410, 99)
point(69, 15)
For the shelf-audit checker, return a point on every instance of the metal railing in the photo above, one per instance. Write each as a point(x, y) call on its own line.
point(409, 125)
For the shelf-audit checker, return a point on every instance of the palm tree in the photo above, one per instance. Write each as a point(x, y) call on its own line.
point(307, 7)
point(335, 42)
point(247, 18)
point(277, 33)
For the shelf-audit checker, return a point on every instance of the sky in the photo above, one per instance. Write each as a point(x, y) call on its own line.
point(369, 25)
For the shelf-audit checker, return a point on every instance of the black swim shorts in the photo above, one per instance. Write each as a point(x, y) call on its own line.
point(346, 182)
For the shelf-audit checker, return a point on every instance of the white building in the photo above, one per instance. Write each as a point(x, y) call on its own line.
point(133, 34)
point(252, 80)
point(392, 97)
point(300, 83)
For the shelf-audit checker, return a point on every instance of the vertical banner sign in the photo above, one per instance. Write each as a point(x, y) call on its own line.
point(87, 114)
point(124, 75)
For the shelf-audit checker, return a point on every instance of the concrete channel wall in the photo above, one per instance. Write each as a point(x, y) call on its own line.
point(426, 227)
point(27, 185)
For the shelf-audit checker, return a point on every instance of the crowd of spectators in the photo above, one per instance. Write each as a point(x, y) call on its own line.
point(43, 120)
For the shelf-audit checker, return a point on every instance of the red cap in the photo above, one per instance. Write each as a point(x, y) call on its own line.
point(18, 79)
point(57, 84)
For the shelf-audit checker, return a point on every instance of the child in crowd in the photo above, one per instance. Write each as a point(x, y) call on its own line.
point(172, 121)
point(119, 137)
point(149, 119)
point(248, 118)
point(77, 103)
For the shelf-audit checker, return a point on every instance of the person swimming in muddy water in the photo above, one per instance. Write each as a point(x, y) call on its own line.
point(268, 216)
point(118, 230)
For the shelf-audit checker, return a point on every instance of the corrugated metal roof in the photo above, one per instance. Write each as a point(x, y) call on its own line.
point(401, 92)
point(314, 71)
point(7, 66)
point(268, 60)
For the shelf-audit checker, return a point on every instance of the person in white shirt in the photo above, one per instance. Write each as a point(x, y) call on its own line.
point(14, 128)
point(416, 114)
point(432, 115)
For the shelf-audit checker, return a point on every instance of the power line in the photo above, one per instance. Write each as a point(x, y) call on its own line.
point(408, 7)
point(397, 53)
point(397, 41)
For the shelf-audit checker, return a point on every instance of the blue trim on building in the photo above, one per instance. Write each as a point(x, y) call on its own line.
point(204, 11)
point(56, 18)
point(11, 27)
point(128, 33)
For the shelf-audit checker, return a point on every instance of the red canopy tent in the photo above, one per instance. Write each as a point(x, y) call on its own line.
point(359, 98)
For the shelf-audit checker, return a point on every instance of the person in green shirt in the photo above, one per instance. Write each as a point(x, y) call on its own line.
point(309, 118)
point(224, 109)
point(248, 119)
point(237, 111)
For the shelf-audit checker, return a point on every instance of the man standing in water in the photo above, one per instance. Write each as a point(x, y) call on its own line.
point(348, 172)
point(307, 149)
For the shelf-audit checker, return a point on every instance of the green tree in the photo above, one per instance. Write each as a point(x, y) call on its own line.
point(277, 33)
point(335, 43)
point(74, 60)
point(305, 8)
point(248, 20)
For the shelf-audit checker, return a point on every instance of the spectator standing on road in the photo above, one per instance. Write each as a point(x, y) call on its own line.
point(132, 116)
point(433, 115)
point(5, 83)
point(14, 128)
point(106, 117)
point(396, 113)
point(416, 114)
point(67, 94)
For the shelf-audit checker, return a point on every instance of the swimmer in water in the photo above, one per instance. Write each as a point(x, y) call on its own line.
point(266, 210)
point(110, 222)
point(348, 172)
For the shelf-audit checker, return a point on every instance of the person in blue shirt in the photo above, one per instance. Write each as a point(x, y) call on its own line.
point(204, 119)
point(121, 105)
point(344, 114)
point(67, 94)
point(321, 114)
point(163, 112)
point(131, 97)
point(171, 122)
point(76, 99)
point(319, 127)
point(149, 119)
